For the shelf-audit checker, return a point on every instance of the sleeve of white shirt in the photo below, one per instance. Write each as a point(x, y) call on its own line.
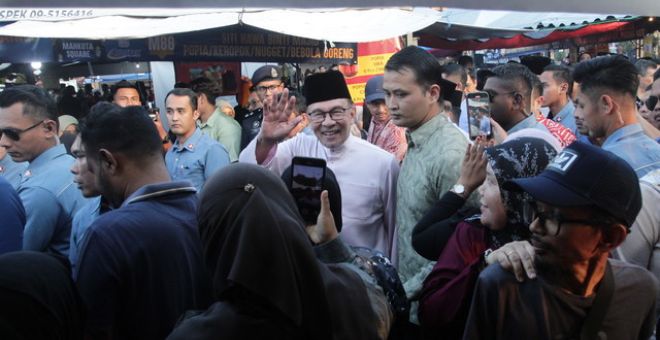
point(389, 200)
point(279, 157)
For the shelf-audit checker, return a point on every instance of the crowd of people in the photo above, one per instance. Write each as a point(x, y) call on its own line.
point(118, 226)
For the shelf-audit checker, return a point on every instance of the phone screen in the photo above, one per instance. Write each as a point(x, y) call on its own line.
point(478, 106)
point(308, 175)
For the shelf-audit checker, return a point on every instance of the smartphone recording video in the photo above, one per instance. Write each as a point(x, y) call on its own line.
point(478, 106)
point(308, 176)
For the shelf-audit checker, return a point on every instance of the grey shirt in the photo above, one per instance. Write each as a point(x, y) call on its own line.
point(502, 308)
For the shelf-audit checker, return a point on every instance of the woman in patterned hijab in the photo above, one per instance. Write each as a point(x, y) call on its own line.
point(447, 291)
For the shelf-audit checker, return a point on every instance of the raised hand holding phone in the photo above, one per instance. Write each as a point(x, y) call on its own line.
point(473, 168)
point(324, 230)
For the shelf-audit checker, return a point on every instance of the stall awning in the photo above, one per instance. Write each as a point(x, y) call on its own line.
point(635, 7)
point(355, 25)
point(573, 35)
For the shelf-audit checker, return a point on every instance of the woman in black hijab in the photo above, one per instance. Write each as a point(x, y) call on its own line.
point(267, 280)
point(38, 299)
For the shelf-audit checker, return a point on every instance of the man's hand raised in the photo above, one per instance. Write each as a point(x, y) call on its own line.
point(277, 122)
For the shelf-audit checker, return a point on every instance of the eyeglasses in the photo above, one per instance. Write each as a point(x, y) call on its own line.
point(264, 89)
point(552, 220)
point(492, 94)
point(15, 134)
point(336, 114)
point(651, 102)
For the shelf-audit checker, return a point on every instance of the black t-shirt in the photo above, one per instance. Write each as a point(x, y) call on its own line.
point(502, 308)
point(141, 266)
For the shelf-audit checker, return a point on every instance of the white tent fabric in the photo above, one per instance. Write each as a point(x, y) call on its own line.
point(334, 25)
point(345, 26)
point(632, 7)
point(516, 19)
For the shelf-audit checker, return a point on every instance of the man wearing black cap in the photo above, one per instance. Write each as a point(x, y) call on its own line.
point(367, 175)
point(382, 131)
point(266, 83)
point(584, 204)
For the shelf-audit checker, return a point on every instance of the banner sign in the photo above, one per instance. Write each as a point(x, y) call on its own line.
point(371, 60)
point(232, 43)
point(245, 43)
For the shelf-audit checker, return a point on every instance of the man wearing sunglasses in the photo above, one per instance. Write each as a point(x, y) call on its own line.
point(28, 124)
point(650, 111)
point(510, 91)
point(583, 206)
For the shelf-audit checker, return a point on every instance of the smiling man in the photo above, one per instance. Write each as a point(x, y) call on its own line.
point(585, 202)
point(367, 175)
point(29, 128)
point(194, 156)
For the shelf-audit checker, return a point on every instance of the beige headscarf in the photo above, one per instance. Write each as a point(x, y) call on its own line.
point(64, 122)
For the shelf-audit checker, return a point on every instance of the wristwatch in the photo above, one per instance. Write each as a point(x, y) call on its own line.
point(486, 254)
point(458, 189)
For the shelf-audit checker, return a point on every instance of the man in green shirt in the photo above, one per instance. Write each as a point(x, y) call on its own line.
point(212, 121)
point(436, 148)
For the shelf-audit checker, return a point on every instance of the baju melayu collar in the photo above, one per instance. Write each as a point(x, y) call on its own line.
point(337, 152)
point(418, 137)
point(157, 190)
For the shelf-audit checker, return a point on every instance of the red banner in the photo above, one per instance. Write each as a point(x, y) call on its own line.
point(371, 60)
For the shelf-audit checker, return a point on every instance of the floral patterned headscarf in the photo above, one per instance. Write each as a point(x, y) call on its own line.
point(518, 158)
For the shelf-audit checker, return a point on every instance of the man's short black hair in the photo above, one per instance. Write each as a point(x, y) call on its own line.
point(207, 87)
point(561, 74)
point(181, 92)
point(482, 76)
point(537, 88)
point(644, 64)
point(614, 73)
point(456, 69)
point(127, 130)
point(519, 76)
point(427, 70)
point(124, 84)
point(465, 61)
point(301, 103)
point(656, 75)
point(37, 103)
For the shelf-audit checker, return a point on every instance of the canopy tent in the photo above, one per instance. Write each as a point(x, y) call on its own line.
point(562, 33)
point(353, 25)
point(636, 7)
